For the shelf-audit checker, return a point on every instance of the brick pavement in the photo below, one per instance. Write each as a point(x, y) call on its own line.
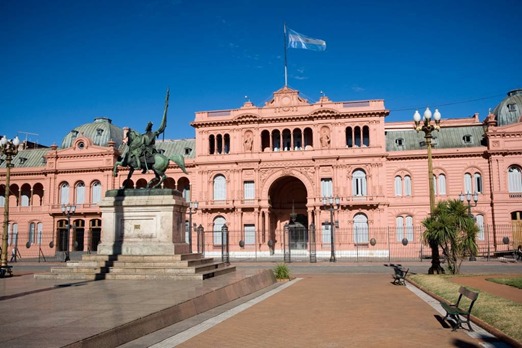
point(336, 310)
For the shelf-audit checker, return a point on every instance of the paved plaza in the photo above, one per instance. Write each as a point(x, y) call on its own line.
point(327, 305)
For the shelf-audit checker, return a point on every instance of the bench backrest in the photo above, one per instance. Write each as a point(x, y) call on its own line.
point(472, 295)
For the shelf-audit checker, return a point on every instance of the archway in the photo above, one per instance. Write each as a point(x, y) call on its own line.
point(288, 197)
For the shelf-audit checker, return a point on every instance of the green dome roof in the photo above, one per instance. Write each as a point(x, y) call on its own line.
point(100, 131)
point(509, 110)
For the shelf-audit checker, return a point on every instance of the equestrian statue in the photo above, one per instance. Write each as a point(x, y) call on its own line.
point(140, 153)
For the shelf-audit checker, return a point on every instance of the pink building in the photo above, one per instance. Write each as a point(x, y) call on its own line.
point(263, 171)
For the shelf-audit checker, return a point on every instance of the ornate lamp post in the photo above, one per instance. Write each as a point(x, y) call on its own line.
point(475, 200)
point(332, 204)
point(68, 210)
point(468, 198)
point(193, 206)
point(428, 127)
point(9, 148)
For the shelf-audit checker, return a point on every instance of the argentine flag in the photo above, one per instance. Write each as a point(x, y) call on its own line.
point(296, 40)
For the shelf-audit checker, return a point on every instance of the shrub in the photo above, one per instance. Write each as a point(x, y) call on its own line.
point(281, 271)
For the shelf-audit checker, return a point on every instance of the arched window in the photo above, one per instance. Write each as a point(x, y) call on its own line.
point(276, 140)
point(407, 185)
point(514, 179)
point(80, 193)
point(349, 137)
point(220, 188)
point(298, 139)
point(357, 132)
point(13, 228)
point(219, 144)
point(360, 229)
point(39, 233)
point(96, 192)
point(25, 194)
point(409, 228)
point(211, 144)
point(467, 183)
point(226, 145)
point(399, 226)
point(32, 236)
point(479, 219)
point(398, 186)
point(64, 193)
point(359, 183)
point(477, 181)
point(219, 221)
point(366, 136)
point(442, 184)
point(287, 140)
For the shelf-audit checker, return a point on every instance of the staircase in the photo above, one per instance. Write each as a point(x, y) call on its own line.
point(178, 267)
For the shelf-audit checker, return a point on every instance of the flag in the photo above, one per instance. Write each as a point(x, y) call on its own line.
point(296, 40)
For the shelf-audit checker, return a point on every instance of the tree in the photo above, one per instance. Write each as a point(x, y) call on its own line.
point(451, 228)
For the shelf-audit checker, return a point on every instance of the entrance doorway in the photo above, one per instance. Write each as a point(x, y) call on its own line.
point(288, 198)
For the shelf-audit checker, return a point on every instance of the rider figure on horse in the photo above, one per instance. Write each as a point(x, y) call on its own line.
point(148, 145)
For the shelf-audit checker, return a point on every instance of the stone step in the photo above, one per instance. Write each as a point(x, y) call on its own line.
point(86, 270)
point(144, 268)
point(149, 276)
point(146, 258)
point(185, 263)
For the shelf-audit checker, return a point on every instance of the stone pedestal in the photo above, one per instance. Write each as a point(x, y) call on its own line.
point(143, 222)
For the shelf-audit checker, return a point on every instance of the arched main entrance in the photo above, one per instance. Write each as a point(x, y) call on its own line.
point(288, 197)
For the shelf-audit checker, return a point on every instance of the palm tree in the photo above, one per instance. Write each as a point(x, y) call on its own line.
point(451, 228)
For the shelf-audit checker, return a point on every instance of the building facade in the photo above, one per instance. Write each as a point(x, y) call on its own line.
point(291, 176)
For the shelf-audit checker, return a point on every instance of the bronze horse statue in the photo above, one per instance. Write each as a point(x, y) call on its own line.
point(135, 157)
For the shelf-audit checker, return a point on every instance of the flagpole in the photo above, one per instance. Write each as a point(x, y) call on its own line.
point(285, 46)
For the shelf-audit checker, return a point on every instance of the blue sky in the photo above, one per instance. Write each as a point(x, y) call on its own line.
point(65, 62)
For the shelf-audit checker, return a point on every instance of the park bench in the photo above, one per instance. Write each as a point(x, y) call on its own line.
point(457, 312)
point(399, 277)
point(6, 270)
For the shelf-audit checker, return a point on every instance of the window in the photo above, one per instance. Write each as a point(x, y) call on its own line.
point(404, 226)
point(359, 183)
point(466, 139)
point(31, 238)
point(217, 226)
point(25, 199)
point(80, 193)
point(477, 180)
point(326, 233)
point(39, 233)
point(514, 179)
point(399, 142)
point(407, 185)
point(409, 228)
point(64, 193)
point(326, 187)
point(249, 190)
point(360, 229)
point(14, 234)
point(96, 193)
point(442, 184)
point(399, 226)
point(220, 188)
point(479, 219)
point(398, 186)
point(472, 183)
point(250, 234)
point(366, 136)
point(467, 183)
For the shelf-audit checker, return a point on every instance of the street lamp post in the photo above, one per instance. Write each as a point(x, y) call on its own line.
point(68, 210)
point(332, 204)
point(193, 206)
point(428, 127)
point(9, 148)
point(475, 202)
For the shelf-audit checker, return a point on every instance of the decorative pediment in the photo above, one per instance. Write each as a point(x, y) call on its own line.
point(286, 98)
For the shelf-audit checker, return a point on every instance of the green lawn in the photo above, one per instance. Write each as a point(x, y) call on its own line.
point(503, 314)
point(516, 282)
